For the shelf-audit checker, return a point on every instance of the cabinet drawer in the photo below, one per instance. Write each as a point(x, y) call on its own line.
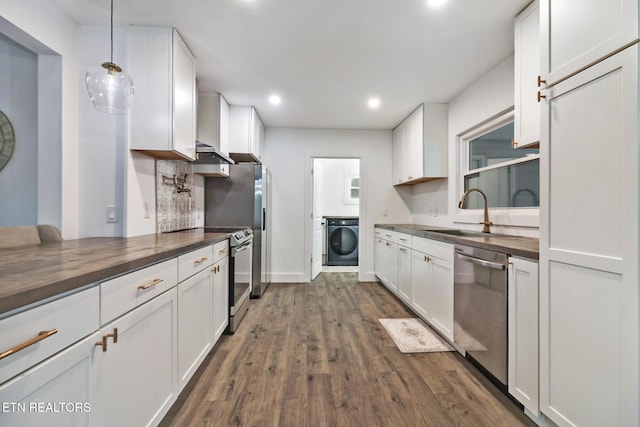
point(194, 262)
point(434, 248)
point(404, 239)
point(124, 293)
point(220, 251)
point(389, 235)
point(49, 328)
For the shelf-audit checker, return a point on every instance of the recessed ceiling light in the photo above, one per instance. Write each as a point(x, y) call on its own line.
point(436, 3)
point(373, 102)
point(275, 100)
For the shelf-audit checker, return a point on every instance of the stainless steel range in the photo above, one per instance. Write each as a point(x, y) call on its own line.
point(240, 271)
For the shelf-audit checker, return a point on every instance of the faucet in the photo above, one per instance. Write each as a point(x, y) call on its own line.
point(486, 223)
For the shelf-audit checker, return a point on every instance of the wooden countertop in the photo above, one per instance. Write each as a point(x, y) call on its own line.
point(526, 247)
point(29, 274)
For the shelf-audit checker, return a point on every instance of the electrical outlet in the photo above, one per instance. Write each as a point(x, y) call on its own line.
point(385, 212)
point(111, 214)
point(147, 214)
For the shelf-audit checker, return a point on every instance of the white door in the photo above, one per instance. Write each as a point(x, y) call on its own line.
point(316, 256)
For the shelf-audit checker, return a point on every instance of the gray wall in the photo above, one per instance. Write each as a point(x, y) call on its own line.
point(19, 102)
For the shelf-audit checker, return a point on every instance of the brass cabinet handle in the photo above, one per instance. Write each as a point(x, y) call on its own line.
point(403, 250)
point(151, 284)
point(540, 96)
point(201, 260)
point(514, 144)
point(540, 81)
point(41, 336)
point(103, 344)
point(388, 244)
point(427, 258)
point(114, 335)
point(404, 240)
point(223, 250)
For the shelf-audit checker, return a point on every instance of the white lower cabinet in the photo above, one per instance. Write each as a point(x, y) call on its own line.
point(405, 287)
point(390, 262)
point(57, 392)
point(420, 283)
point(441, 294)
point(135, 381)
point(220, 295)
point(523, 333)
point(195, 324)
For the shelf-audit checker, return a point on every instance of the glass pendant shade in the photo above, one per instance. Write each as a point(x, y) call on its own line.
point(110, 89)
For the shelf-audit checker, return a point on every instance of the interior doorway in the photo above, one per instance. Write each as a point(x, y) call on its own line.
point(336, 215)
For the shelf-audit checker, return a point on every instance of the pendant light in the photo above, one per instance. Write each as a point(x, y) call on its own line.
point(110, 89)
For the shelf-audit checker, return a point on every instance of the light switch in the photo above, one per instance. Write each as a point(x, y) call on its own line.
point(111, 213)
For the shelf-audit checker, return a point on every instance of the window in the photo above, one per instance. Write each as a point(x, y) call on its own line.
point(510, 177)
point(351, 189)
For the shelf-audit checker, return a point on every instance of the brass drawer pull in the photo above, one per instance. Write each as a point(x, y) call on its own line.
point(41, 336)
point(113, 335)
point(201, 260)
point(223, 250)
point(103, 344)
point(540, 96)
point(150, 285)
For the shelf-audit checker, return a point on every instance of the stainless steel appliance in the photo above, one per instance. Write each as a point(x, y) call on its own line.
point(480, 309)
point(241, 201)
point(240, 284)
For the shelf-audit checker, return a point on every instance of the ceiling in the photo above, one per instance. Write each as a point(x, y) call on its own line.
point(325, 58)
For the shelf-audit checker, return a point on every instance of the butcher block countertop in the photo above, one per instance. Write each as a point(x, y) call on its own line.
point(29, 274)
point(526, 247)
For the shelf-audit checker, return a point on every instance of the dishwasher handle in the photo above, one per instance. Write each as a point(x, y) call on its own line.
point(482, 262)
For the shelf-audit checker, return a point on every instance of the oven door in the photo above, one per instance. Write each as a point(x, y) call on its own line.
point(240, 282)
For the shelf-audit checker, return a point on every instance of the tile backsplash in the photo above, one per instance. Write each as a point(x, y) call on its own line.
point(174, 196)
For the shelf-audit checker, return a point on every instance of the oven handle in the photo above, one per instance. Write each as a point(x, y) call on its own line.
point(241, 248)
point(478, 261)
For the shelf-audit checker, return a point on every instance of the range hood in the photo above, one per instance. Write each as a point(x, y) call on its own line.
point(210, 155)
point(245, 158)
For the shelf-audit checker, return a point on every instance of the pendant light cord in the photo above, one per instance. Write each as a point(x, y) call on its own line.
point(112, 31)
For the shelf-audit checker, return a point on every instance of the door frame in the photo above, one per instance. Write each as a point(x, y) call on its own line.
point(308, 235)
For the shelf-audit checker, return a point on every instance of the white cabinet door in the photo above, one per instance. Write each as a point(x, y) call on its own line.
point(391, 265)
point(420, 279)
point(162, 116)
point(441, 296)
point(184, 99)
point(527, 69)
point(413, 143)
point(404, 274)
point(397, 155)
point(136, 381)
point(246, 131)
point(523, 333)
point(588, 273)
point(576, 33)
point(34, 395)
point(220, 280)
point(378, 258)
point(195, 324)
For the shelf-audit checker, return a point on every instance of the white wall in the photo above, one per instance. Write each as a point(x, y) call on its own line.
point(333, 183)
point(19, 102)
point(435, 203)
point(288, 154)
point(43, 29)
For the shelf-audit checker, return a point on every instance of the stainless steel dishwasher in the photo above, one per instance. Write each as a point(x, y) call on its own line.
point(480, 309)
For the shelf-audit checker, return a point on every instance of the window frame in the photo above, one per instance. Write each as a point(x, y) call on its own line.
point(502, 216)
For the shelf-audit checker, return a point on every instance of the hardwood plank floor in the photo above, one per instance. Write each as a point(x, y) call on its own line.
point(316, 355)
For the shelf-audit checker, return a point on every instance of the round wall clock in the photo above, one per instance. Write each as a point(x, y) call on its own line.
point(7, 140)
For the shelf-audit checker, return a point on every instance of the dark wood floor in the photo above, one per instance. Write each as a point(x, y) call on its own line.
point(316, 355)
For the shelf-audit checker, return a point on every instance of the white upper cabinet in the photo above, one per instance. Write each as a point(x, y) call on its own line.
point(527, 70)
point(213, 130)
point(577, 33)
point(420, 146)
point(162, 118)
point(246, 133)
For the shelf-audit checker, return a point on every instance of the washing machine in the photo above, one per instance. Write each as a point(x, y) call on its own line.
point(342, 241)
